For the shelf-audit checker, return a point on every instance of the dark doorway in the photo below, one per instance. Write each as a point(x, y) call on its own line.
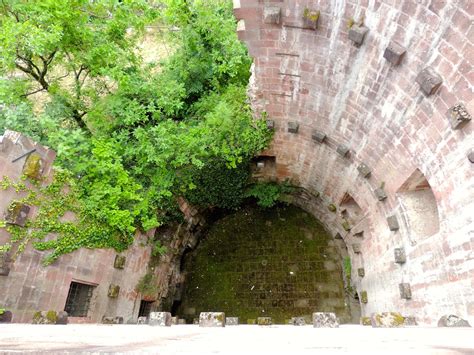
point(145, 308)
point(78, 299)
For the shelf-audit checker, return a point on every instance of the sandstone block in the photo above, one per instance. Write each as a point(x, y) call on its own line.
point(342, 150)
point(114, 291)
point(458, 116)
point(232, 321)
point(380, 194)
point(318, 136)
point(272, 15)
point(400, 256)
point(387, 320)
point(6, 317)
point(429, 81)
point(393, 223)
point(357, 34)
point(119, 262)
point(364, 170)
point(63, 318)
point(17, 213)
point(270, 124)
point(212, 319)
point(356, 247)
point(325, 320)
point(161, 319)
point(264, 321)
point(410, 320)
point(311, 18)
point(142, 320)
point(298, 321)
point(451, 320)
point(405, 291)
point(293, 127)
point(394, 53)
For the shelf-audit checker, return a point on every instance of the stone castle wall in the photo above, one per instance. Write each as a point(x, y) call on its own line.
point(26, 286)
point(355, 121)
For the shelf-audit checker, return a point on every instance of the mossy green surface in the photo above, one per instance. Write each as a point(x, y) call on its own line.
point(32, 167)
point(277, 263)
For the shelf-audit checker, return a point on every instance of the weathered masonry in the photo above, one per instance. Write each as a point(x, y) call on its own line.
point(371, 103)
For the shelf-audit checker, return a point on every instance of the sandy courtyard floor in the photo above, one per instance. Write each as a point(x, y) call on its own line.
point(243, 339)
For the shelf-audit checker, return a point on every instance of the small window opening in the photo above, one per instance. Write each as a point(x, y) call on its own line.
point(78, 299)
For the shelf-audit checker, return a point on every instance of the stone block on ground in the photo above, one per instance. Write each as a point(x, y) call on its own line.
point(17, 213)
point(142, 320)
point(325, 320)
point(45, 317)
point(298, 321)
point(380, 194)
point(264, 321)
point(161, 319)
point(6, 317)
point(318, 136)
point(212, 319)
point(232, 320)
point(452, 321)
point(342, 150)
point(387, 320)
point(392, 222)
point(63, 318)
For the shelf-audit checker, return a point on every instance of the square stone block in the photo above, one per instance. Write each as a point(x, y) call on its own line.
point(393, 223)
point(264, 321)
point(356, 248)
point(161, 319)
point(311, 18)
point(142, 320)
point(458, 116)
point(387, 320)
point(270, 124)
point(363, 297)
point(212, 319)
point(400, 257)
point(119, 262)
point(361, 272)
point(380, 194)
point(272, 15)
point(232, 321)
point(405, 291)
point(325, 320)
point(293, 127)
point(17, 214)
point(357, 34)
point(394, 53)
point(342, 150)
point(298, 321)
point(429, 81)
point(364, 170)
point(114, 291)
point(318, 136)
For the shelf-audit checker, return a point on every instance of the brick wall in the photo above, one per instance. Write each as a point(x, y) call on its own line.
point(29, 286)
point(323, 81)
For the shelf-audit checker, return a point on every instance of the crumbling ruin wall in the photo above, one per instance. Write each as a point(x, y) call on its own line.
point(370, 102)
point(26, 286)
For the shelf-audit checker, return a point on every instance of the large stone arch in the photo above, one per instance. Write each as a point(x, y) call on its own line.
point(341, 110)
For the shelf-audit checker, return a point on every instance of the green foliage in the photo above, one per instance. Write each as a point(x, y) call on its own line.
point(158, 249)
point(147, 285)
point(347, 267)
point(2, 310)
point(52, 317)
point(129, 138)
point(268, 194)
